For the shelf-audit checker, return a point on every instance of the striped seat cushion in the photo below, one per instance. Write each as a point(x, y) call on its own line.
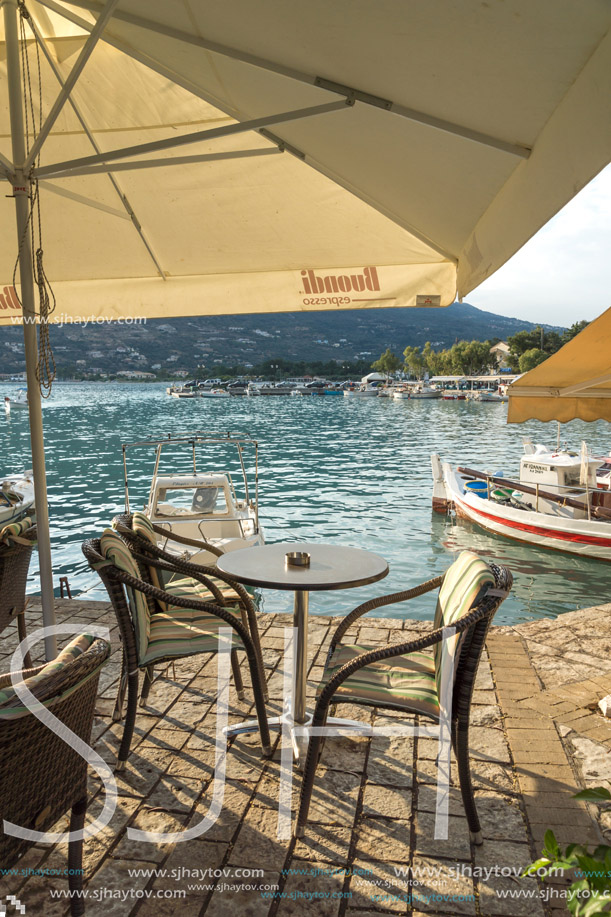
point(141, 526)
point(115, 550)
point(183, 632)
point(464, 585)
point(11, 705)
point(177, 583)
point(11, 534)
point(186, 585)
point(406, 682)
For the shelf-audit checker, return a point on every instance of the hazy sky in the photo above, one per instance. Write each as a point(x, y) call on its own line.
point(564, 273)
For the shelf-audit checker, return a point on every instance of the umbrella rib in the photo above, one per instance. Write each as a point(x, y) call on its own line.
point(6, 167)
point(403, 111)
point(196, 137)
point(130, 213)
point(77, 69)
point(174, 161)
point(82, 199)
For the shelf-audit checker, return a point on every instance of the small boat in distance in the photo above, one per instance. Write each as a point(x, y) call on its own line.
point(205, 506)
point(214, 393)
point(19, 400)
point(545, 505)
point(16, 497)
point(425, 391)
point(488, 395)
point(367, 390)
point(179, 391)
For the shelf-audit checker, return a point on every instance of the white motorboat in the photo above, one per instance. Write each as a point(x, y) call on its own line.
point(401, 394)
point(214, 393)
point(425, 391)
point(16, 497)
point(19, 400)
point(603, 473)
point(203, 505)
point(362, 391)
point(180, 392)
point(544, 505)
point(488, 395)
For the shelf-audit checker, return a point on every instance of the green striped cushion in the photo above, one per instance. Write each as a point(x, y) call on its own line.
point(10, 703)
point(407, 682)
point(464, 584)
point(114, 549)
point(8, 533)
point(186, 585)
point(184, 632)
point(141, 525)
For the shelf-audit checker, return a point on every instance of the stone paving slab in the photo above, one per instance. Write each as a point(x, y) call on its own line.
point(369, 847)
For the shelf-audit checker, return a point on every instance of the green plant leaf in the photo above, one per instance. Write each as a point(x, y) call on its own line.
point(551, 845)
point(594, 794)
point(541, 863)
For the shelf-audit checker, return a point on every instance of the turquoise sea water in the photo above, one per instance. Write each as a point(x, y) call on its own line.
point(347, 471)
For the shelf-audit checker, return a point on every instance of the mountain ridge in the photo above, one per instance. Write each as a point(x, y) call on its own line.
point(167, 345)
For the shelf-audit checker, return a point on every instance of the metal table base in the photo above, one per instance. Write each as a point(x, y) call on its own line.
point(333, 567)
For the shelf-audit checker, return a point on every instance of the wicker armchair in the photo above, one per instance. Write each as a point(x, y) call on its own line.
point(187, 579)
point(17, 542)
point(41, 776)
point(402, 677)
point(157, 626)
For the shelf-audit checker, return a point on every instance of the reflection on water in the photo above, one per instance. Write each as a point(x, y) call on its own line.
point(343, 470)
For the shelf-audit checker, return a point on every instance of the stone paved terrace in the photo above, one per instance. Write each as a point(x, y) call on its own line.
point(535, 739)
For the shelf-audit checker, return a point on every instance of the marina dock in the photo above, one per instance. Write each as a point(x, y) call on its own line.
point(536, 739)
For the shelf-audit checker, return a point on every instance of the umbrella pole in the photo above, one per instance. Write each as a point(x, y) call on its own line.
point(21, 191)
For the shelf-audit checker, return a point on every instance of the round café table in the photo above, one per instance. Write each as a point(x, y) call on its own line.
point(330, 567)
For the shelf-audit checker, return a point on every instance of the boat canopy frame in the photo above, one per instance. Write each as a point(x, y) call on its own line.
point(192, 440)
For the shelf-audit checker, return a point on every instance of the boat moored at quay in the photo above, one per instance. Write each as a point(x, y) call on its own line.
point(210, 506)
point(560, 500)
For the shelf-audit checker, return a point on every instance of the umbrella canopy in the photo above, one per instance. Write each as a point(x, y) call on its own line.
point(339, 155)
point(573, 383)
point(280, 155)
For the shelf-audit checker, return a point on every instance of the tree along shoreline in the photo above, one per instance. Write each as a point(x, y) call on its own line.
point(470, 358)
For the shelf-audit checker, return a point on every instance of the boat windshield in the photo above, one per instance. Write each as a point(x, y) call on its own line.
point(191, 501)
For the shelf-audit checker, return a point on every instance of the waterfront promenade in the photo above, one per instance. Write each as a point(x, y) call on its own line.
point(535, 740)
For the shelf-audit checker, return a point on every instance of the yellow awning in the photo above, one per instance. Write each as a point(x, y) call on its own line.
point(573, 383)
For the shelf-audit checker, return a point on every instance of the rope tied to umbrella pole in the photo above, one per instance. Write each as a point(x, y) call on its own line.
point(45, 369)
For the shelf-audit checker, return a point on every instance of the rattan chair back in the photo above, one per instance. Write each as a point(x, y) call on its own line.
point(14, 565)
point(41, 776)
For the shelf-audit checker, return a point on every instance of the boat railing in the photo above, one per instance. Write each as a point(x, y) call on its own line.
point(600, 509)
point(194, 439)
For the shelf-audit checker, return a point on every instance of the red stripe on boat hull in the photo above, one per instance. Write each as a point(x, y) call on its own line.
point(545, 533)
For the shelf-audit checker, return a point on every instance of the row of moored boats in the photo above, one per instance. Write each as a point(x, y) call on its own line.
point(399, 392)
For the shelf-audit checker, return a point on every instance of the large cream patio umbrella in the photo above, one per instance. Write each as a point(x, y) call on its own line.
point(575, 382)
point(261, 155)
